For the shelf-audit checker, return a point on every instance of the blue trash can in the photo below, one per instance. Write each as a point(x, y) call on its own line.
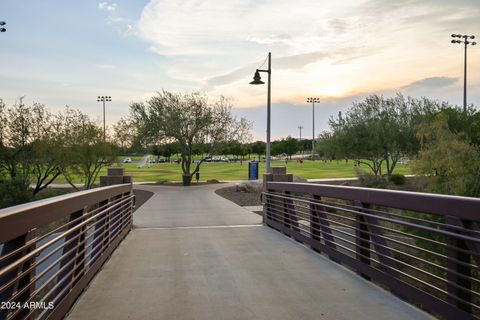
point(253, 170)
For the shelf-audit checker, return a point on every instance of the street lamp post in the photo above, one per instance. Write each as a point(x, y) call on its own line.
point(258, 80)
point(466, 43)
point(300, 128)
point(313, 100)
point(104, 99)
point(2, 29)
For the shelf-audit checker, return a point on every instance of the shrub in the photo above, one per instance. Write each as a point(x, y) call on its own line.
point(398, 179)
point(369, 180)
point(13, 192)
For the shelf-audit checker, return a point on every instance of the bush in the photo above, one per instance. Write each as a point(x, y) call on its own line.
point(249, 187)
point(13, 192)
point(398, 179)
point(369, 180)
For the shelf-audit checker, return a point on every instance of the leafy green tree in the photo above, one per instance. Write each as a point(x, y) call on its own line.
point(170, 149)
point(290, 146)
point(379, 131)
point(188, 119)
point(276, 148)
point(13, 192)
point(450, 158)
point(29, 145)
point(305, 144)
point(16, 128)
point(124, 134)
point(258, 148)
point(85, 152)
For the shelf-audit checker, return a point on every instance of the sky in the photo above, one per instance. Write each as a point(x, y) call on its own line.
point(66, 52)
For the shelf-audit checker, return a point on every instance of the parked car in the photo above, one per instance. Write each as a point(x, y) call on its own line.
point(127, 160)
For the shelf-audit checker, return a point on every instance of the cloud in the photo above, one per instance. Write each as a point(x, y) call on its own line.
point(223, 27)
point(123, 25)
point(293, 62)
point(127, 30)
point(431, 83)
point(329, 48)
point(106, 66)
point(110, 7)
point(282, 63)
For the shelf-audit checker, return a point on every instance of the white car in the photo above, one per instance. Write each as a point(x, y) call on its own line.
point(127, 160)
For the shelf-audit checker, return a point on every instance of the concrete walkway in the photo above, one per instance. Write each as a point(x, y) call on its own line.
point(195, 255)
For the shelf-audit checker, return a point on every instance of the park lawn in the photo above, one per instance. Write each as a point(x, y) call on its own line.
point(236, 171)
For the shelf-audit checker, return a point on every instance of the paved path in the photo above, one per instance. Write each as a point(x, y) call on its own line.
point(231, 268)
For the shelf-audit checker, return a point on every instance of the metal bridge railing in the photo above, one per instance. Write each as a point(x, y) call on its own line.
point(424, 247)
point(51, 249)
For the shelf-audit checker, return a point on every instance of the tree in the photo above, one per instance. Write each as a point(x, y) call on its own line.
point(289, 146)
point(85, 152)
point(124, 134)
point(258, 148)
point(379, 131)
point(187, 119)
point(451, 158)
point(326, 145)
point(29, 145)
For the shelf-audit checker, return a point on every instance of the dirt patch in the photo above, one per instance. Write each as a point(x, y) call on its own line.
point(240, 198)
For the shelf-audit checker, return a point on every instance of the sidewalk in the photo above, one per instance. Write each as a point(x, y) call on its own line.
point(195, 255)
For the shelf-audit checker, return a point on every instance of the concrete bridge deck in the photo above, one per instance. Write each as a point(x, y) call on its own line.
point(195, 255)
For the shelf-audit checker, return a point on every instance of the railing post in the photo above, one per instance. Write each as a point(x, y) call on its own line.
point(80, 252)
point(315, 220)
point(319, 224)
point(286, 212)
point(290, 216)
point(454, 267)
point(107, 226)
point(362, 238)
point(267, 207)
point(99, 232)
point(67, 258)
point(21, 283)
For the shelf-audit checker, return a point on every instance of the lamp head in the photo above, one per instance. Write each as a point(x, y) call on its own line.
point(257, 79)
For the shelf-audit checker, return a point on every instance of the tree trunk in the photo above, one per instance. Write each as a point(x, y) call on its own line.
point(186, 179)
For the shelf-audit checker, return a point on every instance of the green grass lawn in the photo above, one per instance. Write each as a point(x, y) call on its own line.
point(235, 171)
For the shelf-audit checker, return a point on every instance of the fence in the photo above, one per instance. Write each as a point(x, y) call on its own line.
point(51, 249)
point(423, 247)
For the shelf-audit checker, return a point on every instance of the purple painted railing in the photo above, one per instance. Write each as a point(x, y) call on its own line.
point(424, 247)
point(51, 249)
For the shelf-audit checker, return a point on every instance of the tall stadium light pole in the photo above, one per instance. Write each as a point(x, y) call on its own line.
point(313, 100)
point(300, 128)
point(466, 43)
point(258, 80)
point(104, 99)
point(2, 29)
